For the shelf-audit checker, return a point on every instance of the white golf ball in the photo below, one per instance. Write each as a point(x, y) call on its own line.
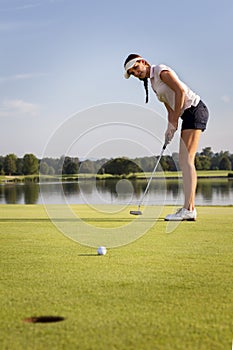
point(101, 251)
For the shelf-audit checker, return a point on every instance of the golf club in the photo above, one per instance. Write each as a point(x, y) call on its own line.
point(138, 212)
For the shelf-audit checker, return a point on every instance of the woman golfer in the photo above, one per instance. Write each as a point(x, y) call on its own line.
point(180, 102)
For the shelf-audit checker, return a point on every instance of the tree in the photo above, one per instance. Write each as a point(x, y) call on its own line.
point(1, 165)
point(202, 162)
point(147, 163)
point(225, 163)
point(54, 164)
point(203, 159)
point(120, 166)
point(231, 159)
point(19, 166)
point(217, 157)
point(44, 168)
point(163, 165)
point(70, 166)
point(207, 152)
point(87, 167)
point(51, 171)
point(175, 158)
point(215, 162)
point(30, 164)
point(198, 164)
point(10, 164)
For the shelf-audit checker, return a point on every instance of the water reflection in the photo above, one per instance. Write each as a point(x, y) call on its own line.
point(71, 188)
point(209, 189)
point(173, 187)
point(19, 193)
point(209, 192)
point(31, 193)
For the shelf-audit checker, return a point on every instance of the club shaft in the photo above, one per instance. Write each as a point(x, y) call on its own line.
point(154, 170)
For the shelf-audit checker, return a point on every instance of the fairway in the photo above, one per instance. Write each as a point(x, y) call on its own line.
point(163, 291)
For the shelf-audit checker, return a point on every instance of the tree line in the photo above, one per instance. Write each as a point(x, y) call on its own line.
point(30, 164)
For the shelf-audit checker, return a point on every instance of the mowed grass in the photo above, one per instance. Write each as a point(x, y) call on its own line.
point(163, 291)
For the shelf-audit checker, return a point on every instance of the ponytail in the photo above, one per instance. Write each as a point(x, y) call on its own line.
point(145, 80)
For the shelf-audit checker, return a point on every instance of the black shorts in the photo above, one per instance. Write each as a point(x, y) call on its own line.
point(195, 117)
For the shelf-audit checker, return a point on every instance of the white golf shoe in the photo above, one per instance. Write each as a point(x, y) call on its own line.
point(182, 214)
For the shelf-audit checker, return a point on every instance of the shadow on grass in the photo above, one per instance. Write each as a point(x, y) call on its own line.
point(44, 319)
point(89, 254)
point(81, 219)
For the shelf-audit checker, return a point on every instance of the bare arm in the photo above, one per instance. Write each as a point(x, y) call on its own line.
point(171, 118)
point(172, 125)
point(170, 79)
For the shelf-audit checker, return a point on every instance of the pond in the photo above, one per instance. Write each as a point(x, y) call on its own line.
point(161, 192)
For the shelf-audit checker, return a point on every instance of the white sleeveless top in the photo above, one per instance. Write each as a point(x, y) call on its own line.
point(165, 93)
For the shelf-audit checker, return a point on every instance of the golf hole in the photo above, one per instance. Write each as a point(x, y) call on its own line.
point(43, 319)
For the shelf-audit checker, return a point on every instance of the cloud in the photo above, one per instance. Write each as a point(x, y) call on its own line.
point(22, 76)
point(226, 99)
point(18, 108)
point(29, 5)
point(9, 26)
point(21, 7)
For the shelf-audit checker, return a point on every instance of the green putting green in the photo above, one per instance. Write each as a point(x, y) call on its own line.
point(163, 291)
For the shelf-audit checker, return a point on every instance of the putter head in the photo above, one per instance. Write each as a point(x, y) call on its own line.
point(135, 212)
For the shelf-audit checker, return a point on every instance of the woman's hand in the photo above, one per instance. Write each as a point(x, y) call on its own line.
point(172, 124)
point(169, 134)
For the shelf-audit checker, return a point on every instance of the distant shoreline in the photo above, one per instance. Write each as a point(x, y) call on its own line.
point(207, 174)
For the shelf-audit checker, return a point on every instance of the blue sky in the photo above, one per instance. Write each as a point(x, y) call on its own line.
point(62, 57)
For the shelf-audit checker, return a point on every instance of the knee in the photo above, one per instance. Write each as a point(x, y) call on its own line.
point(186, 161)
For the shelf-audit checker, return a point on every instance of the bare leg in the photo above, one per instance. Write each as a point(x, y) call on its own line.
point(188, 148)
